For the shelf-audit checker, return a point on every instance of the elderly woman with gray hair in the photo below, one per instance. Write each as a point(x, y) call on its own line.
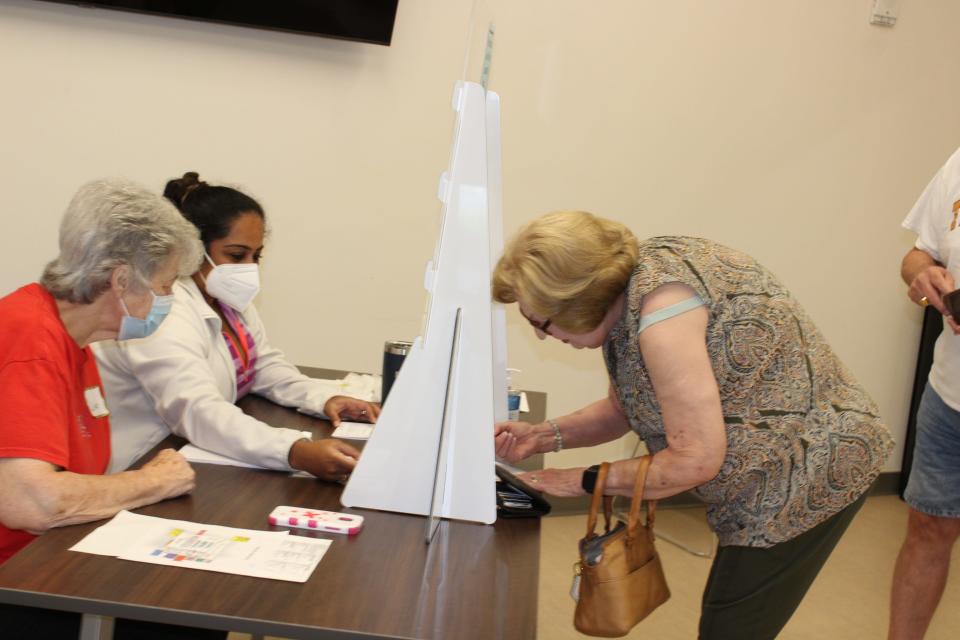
point(121, 248)
point(733, 389)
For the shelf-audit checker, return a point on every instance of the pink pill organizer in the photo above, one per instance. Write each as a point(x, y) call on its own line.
point(317, 520)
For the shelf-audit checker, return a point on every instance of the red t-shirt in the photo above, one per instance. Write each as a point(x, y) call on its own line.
point(44, 412)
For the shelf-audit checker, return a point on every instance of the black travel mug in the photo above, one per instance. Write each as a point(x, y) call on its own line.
point(394, 351)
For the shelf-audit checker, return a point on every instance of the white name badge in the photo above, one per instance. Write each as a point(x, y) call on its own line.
point(95, 402)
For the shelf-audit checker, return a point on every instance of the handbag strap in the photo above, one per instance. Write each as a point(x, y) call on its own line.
point(598, 497)
point(607, 513)
point(637, 499)
point(607, 501)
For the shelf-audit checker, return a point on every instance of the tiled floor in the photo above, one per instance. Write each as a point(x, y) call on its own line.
point(849, 600)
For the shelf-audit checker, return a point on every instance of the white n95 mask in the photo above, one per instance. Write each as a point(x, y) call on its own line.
point(235, 285)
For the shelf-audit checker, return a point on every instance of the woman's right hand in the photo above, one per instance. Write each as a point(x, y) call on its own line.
point(173, 473)
point(515, 441)
point(328, 459)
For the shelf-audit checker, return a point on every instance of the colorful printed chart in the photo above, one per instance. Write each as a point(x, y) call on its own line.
point(263, 554)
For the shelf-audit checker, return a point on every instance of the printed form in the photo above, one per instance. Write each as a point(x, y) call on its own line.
point(275, 555)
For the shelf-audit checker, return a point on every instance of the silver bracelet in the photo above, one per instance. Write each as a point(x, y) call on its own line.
point(557, 436)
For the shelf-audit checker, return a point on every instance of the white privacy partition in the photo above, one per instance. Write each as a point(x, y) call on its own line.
point(431, 452)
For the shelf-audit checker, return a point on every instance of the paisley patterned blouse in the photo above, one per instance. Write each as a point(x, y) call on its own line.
point(804, 439)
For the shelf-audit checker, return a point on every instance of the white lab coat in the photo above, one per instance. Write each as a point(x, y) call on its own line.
point(182, 379)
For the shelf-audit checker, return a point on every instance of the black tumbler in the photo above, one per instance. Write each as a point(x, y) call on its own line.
point(394, 351)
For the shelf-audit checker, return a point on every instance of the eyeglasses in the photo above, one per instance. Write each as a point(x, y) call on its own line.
point(539, 326)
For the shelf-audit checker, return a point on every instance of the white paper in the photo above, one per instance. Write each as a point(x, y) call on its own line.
point(362, 386)
point(113, 537)
point(262, 554)
point(524, 405)
point(195, 454)
point(201, 456)
point(353, 430)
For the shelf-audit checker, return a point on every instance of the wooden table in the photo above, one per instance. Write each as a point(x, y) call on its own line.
point(473, 581)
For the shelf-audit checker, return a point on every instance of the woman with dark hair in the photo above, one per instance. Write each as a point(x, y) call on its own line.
point(213, 350)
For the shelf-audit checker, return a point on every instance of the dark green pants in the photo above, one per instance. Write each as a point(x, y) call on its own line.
point(751, 593)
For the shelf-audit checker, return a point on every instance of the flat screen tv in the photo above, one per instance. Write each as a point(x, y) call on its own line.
point(364, 20)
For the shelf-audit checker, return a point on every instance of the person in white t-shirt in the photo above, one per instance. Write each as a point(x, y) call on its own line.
point(931, 269)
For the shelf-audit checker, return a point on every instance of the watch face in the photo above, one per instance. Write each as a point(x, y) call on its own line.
point(589, 479)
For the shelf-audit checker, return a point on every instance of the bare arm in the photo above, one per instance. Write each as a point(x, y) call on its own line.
point(596, 423)
point(675, 354)
point(676, 358)
point(914, 262)
point(35, 496)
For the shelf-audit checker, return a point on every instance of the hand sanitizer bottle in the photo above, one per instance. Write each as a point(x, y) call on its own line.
point(513, 397)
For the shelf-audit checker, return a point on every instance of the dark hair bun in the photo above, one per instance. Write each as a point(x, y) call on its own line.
point(178, 189)
point(211, 208)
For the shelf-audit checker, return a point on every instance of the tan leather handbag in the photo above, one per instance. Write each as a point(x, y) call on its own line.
point(619, 579)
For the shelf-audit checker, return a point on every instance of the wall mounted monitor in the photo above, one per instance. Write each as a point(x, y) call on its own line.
point(363, 20)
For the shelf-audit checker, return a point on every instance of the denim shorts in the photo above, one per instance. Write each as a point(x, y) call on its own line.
point(934, 485)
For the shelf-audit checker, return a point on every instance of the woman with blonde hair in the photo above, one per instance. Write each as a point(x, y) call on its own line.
point(735, 392)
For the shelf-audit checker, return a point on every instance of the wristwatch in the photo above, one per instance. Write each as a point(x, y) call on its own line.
point(589, 479)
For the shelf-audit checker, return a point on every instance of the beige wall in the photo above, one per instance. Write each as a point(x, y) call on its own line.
point(793, 130)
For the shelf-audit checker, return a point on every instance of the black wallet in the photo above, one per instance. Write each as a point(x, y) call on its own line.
point(516, 499)
point(952, 302)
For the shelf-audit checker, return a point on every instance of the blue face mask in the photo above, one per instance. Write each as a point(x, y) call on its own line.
point(131, 327)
